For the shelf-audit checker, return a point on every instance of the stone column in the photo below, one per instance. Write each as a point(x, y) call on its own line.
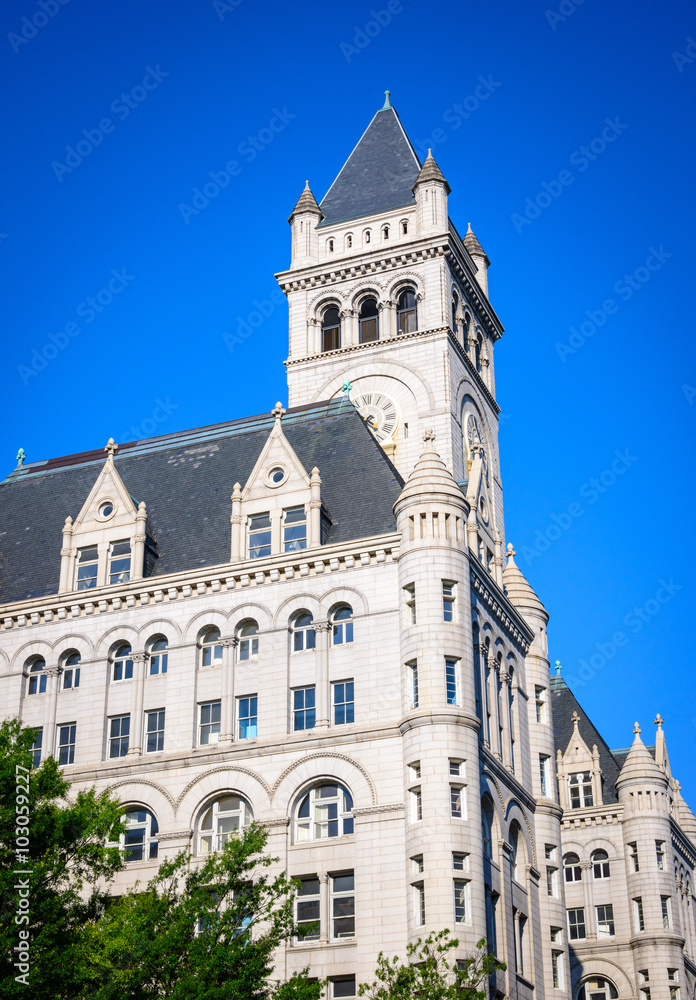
point(66, 558)
point(485, 695)
point(505, 721)
point(227, 733)
point(52, 685)
point(236, 521)
point(494, 705)
point(323, 692)
point(138, 557)
point(324, 908)
point(135, 740)
point(588, 899)
point(314, 518)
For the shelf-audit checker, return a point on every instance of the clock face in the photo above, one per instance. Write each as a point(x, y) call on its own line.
point(379, 412)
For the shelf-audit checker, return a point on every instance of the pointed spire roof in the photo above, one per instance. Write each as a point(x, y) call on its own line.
point(431, 172)
point(431, 476)
point(639, 763)
point(305, 203)
point(518, 589)
point(379, 174)
point(473, 245)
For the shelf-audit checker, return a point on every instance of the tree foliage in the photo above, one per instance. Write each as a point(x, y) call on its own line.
point(428, 973)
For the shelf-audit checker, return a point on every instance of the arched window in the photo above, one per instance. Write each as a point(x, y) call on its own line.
point(331, 246)
point(571, 867)
point(598, 988)
point(325, 811)
point(487, 826)
point(331, 330)
point(404, 228)
point(122, 663)
point(367, 236)
point(342, 621)
point(455, 315)
point(385, 232)
point(223, 818)
point(71, 670)
point(478, 347)
point(139, 839)
point(211, 647)
point(158, 655)
point(369, 321)
point(349, 241)
point(406, 313)
point(37, 677)
point(302, 631)
point(600, 864)
point(248, 633)
point(514, 856)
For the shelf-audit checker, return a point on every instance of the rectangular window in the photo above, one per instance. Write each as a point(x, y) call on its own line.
point(666, 912)
point(343, 987)
point(413, 668)
point(119, 733)
point(633, 853)
point(672, 975)
point(460, 862)
point(645, 993)
point(545, 775)
point(155, 731)
point(660, 852)
point(557, 968)
point(448, 599)
point(541, 710)
point(605, 921)
point(674, 993)
point(259, 535)
point(87, 563)
point(343, 905)
point(294, 529)
point(303, 709)
point(410, 598)
point(451, 681)
point(71, 678)
point(35, 748)
point(37, 681)
point(66, 743)
point(576, 924)
point(457, 801)
point(417, 864)
point(209, 727)
point(455, 767)
point(416, 805)
point(580, 786)
point(119, 562)
point(419, 904)
point(461, 901)
point(343, 703)
point(307, 909)
point(414, 771)
point(552, 881)
point(638, 916)
point(247, 717)
point(644, 975)
point(551, 852)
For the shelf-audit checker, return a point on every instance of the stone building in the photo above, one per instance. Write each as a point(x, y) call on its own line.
point(306, 617)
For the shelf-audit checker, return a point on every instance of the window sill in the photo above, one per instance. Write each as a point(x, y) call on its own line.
point(346, 838)
point(337, 943)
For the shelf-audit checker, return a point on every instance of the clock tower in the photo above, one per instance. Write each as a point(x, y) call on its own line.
point(389, 308)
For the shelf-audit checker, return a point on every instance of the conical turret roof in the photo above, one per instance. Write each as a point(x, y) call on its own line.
point(430, 476)
point(305, 203)
point(431, 172)
point(473, 245)
point(639, 764)
point(517, 587)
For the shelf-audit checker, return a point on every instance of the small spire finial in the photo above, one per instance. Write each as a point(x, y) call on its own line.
point(659, 721)
point(575, 718)
point(429, 435)
point(278, 411)
point(346, 388)
point(637, 729)
point(387, 103)
point(20, 458)
point(559, 667)
point(510, 551)
point(111, 447)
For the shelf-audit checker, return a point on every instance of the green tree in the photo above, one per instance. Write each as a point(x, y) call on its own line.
point(68, 861)
point(428, 974)
point(198, 933)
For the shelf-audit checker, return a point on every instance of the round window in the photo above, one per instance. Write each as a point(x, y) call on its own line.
point(277, 474)
point(106, 509)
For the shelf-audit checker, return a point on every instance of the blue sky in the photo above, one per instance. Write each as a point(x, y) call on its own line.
point(598, 419)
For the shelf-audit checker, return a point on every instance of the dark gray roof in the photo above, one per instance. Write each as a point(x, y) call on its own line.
point(377, 176)
point(186, 480)
point(563, 704)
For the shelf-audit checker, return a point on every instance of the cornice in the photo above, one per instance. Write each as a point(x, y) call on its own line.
point(374, 345)
point(592, 816)
point(683, 842)
point(491, 765)
point(500, 607)
point(227, 577)
point(462, 257)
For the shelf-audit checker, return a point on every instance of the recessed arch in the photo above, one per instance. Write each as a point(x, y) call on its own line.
point(204, 787)
point(317, 766)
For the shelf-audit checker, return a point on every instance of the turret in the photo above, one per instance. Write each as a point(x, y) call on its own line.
point(431, 191)
point(303, 221)
point(480, 259)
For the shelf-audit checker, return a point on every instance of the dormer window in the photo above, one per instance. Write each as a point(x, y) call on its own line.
point(294, 529)
point(406, 315)
point(37, 677)
point(119, 562)
point(580, 788)
point(87, 565)
point(331, 330)
point(259, 535)
point(369, 319)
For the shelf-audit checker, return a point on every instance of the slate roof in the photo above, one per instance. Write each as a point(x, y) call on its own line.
point(377, 176)
point(186, 480)
point(563, 704)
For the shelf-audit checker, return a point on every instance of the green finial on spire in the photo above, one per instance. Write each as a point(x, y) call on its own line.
point(20, 458)
point(387, 102)
point(346, 388)
point(558, 667)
